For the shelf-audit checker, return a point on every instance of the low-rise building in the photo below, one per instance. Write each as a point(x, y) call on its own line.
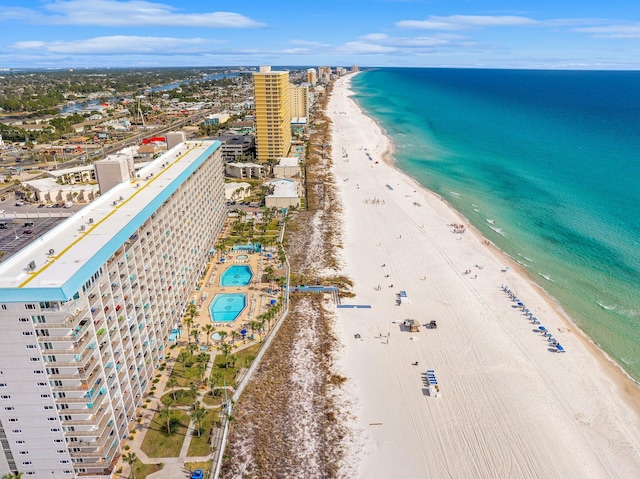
point(284, 193)
point(244, 170)
point(287, 168)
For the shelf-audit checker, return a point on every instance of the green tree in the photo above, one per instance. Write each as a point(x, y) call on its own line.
point(172, 383)
point(225, 348)
point(198, 412)
point(130, 458)
point(209, 329)
point(167, 413)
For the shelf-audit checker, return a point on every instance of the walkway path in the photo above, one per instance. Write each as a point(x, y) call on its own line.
point(174, 467)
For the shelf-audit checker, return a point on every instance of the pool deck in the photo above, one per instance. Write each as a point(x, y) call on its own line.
point(258, 297)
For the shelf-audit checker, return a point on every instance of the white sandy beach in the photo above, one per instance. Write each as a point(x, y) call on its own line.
point(510, 405)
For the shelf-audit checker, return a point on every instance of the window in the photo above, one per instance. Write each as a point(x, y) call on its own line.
point(3, 385)
point(51, 419)
point(38, 371)
point(9, 408)
point(23, 320)
point(41, 384)
point(55, 429)
point(20, 441)
point(47, 408)
point(45, 396)
point(27, 333)
point(16, 431)
point(4, 307)
point(5, 396)
point(29, 306)
point(61, 451)
point(64, 461)
point(33, 360)
point(57, 441)
point(13, 419)
point(30, 473)
point(31, 346)
point(26, 463)
point(23, 453)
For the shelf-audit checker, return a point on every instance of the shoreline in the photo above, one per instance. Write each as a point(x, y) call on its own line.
point(388, 158)
point(488, 301)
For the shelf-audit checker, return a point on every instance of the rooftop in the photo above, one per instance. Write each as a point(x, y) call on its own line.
point(56, 266)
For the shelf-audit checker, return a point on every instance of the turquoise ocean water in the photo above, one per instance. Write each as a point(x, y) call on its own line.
point(546, 164)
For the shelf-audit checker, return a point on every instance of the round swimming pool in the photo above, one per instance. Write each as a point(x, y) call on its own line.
point(227, 307)
point(242, 256)
point(236, 275)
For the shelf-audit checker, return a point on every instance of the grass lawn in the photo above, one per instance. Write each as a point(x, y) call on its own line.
point(209, 400)
point(200, 445)
point(157, 443)
point(143, 470)
point(185, 375)
point(245, 358)
point(183, 397)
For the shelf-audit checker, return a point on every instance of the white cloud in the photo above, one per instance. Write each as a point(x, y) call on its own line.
point(621, 30)
point(360, 48)
point(114, 13)
point(120, 45)
point(464, 22)
point(309, 44)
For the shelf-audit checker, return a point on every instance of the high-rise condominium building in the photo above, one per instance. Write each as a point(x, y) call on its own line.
point(273, 114)
point(312, 76)
point(86, 311)
point(299, 99)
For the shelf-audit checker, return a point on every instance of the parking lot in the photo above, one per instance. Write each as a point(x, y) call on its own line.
point(21, 225)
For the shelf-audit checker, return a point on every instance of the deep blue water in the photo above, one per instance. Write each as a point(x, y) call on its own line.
point(551, 158)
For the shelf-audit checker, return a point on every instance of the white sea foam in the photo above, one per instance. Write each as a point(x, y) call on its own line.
point(497, 230)
point(547, 277)
point(454, 193)
point(491, 222)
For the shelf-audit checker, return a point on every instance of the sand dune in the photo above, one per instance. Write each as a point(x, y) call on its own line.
point(510, 405)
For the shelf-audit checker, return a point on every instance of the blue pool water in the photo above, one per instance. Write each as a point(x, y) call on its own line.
point(238, 275)
point(227, 307)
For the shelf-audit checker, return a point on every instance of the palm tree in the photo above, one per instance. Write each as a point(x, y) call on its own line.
point(172, 383)
point(130, 458)
point(214, 381)
point(195, 334)
point(233, 358)
point(11, 475)
point(189, 320)
point(167, 413)
point(209, 329)
point(197, 415)
point(223, 334)
point(234, 336)
point(226, 350)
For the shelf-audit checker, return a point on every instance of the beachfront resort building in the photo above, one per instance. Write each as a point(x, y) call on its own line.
point(299, 100)
point(86, 311)
point(273, 114)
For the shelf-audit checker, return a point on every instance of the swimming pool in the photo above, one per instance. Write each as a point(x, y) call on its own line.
point(242, 256)
point(227, 307)
point(237, 275)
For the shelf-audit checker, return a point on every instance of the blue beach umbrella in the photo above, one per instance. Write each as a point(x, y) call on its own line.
point(273, 301)
point(542, 328)
point(243, 332)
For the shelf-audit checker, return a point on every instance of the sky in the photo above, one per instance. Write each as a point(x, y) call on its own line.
point(539, 34)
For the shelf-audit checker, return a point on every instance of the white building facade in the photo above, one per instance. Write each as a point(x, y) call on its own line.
point(85, 313)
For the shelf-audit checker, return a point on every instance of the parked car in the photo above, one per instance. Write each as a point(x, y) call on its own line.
point(19, 203)
point(27, 232)
point(197, 474)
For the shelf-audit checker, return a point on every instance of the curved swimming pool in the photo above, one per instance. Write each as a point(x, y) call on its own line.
point(227, 307)
point(236, 275)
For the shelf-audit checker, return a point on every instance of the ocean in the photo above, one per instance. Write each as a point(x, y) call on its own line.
point(545, 164)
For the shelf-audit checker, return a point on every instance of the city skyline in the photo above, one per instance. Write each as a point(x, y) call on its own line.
point(429, 33)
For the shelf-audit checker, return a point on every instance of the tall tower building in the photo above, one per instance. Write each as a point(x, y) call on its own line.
point(86, 311)
point(312, 76)
point(273, 113)
point(299, 98)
